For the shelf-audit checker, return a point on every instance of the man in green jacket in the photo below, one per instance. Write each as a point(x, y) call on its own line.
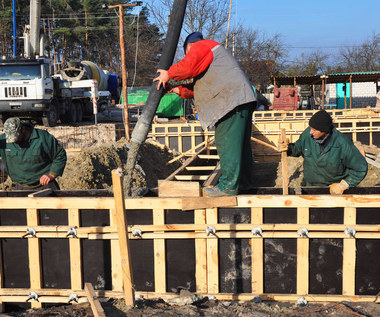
point(330, 158)
point(32, 157)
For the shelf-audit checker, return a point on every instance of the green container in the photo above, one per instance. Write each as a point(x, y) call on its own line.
point(171, 105)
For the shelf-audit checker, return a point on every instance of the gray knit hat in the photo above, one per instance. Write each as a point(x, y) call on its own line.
point(12, 128)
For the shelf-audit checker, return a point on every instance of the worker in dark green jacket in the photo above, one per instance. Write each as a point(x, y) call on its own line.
point(330, 158)
point(32, 157)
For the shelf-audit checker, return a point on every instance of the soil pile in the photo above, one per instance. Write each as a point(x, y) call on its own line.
point(91, 169)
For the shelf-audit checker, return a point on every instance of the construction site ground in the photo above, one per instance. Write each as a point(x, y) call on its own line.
point(150, 308)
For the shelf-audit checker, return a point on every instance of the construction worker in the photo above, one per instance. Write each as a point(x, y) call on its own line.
point(224, 98)
point(32, 157)
point(330, 158)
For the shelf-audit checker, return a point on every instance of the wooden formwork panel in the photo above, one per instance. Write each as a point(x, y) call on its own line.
point(255, 248)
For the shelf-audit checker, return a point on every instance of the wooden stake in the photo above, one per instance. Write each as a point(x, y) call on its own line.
point(96, 307)
point(303, 255)
point(75, 252)
point(284, 165)
point(257, 279)
point(121, 221)
point(159, 254)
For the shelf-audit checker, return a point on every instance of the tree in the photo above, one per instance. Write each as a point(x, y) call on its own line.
point(365, 57)
point(206, 16)
point(314, 63)
point(261, 56)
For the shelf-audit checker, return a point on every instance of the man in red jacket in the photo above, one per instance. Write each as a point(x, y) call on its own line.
point(224, 98)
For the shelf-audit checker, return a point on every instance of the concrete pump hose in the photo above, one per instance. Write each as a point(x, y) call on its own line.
point(142, 127)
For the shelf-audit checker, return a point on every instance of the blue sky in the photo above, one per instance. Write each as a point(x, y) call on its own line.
point(308, 25)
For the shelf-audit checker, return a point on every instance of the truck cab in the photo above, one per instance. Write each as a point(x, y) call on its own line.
point(26, 88)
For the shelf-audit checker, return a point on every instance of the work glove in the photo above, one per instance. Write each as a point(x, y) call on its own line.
point(283, 145)
point(338, 188)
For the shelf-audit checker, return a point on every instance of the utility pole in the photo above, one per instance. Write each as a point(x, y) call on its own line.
point(123, 64)
point(228, 24)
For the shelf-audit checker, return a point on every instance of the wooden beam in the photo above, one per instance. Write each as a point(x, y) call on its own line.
point(208, 202)
point(349, 255)
point(96, 307)
point(284, 166)
point(116, 270)
point(302, 254)
point(212, 254)
point(200, 254)
point(34, 251)
point(178, 189)
point(159, 254)
point(257, 273)
point(214, 177)
point(125, 253)
point(75, 251)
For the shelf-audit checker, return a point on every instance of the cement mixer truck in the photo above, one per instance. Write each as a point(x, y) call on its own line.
point(28, 89)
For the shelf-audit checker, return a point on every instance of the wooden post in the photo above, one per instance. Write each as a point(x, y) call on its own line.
point(125, 254)
point(257, 279)
point(212, 254)
point(159, 254)
point(75, 252)
point(284, 165)
point(349, 255)
point(116, 271)
point(345, 95)
point(302, 254)
point(34, 250)
point(200, 254)
point(323, 92)
point(350, 91)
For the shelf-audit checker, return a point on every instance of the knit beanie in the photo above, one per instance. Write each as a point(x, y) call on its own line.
point(321, 121)
point(192, 38)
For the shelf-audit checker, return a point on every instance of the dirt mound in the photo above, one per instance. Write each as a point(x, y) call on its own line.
point(91, 169)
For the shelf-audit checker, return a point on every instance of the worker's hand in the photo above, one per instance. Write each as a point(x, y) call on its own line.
point(338, 188)
point(163, 78)
point(46, 179)
point(175, 90)
point(283, 145)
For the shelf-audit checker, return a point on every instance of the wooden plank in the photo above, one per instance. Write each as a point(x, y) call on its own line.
point(284, 166)
point(257, 259)
point(208, 157)
point(212, 254)
point(75, 252)
point(116, 271)
point(208, 202)
point(349, 255)
point(2, 308)
point(34, 252)
point(302, 255)
point(200, 168)
point(200, 254)
point(191, 177)
point(178, 189)
point(213, 179)
point(122, 225)
point(96, 307)
point(159, 254)
point(41, 193)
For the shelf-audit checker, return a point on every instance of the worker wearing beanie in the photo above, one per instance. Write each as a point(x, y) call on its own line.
point(330, 158)
point(224, 98)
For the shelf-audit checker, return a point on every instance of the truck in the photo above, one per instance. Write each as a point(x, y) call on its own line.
point(30, 88)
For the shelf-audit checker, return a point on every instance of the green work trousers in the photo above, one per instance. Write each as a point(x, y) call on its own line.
point(233, 142)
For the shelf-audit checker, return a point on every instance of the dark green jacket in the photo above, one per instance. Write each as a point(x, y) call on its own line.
point(339, 160)
point(40, 155)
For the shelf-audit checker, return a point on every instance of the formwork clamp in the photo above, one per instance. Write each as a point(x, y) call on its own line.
point(302, 301)
point(210, 230)
point(72, 233)
point(350, 232)
point(257, 232)
point(32, 297)
point(137, 233)
point(30, 233)
point(303, 233)
point(73, 298)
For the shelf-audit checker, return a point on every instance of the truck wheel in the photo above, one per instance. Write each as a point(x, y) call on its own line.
point(79, 112)
point(71, 114)
point(50, 118)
